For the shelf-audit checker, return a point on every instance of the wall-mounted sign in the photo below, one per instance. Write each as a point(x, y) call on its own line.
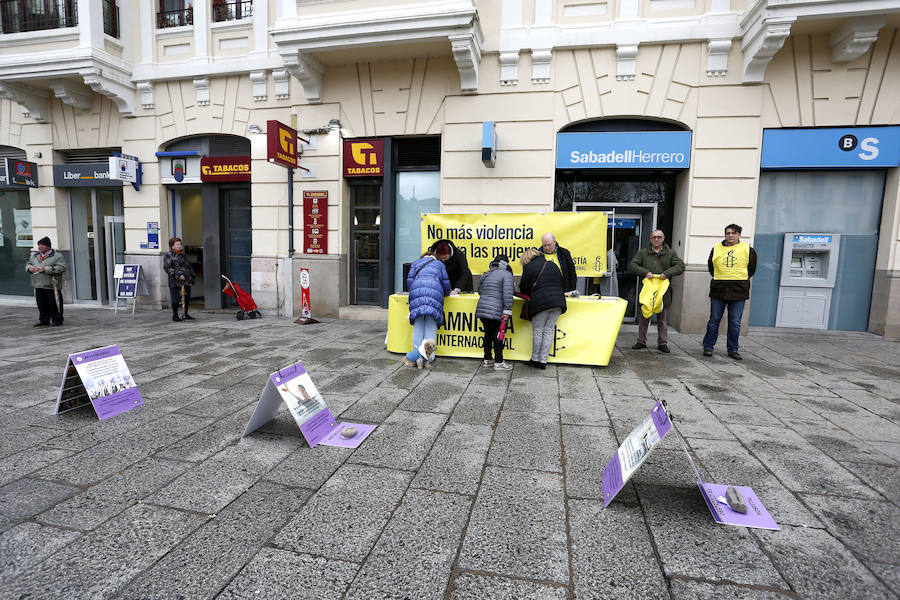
point(364, 158)
point(19, 173)
point(831, 147)
point(489, 144)
point(624, 150)
point(174, 170)
point(281, 144)
point(224, 168)
point(315, 222)
point(85, 175)
point(123, 168)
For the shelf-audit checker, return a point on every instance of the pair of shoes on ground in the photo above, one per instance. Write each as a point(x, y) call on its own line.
point(734, 355)
point(184, 318)
point(662, 347)
point(497, 366)
point(536, 364)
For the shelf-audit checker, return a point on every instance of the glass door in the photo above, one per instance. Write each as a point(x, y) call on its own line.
point(365, 243)
point(115, 249)
point(238, 236)
point(91, 269)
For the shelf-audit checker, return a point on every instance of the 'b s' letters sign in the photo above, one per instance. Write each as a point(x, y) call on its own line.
point(624, 150)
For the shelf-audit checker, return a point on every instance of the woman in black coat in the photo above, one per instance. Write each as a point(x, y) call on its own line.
point(180, 275)
point(543, 281)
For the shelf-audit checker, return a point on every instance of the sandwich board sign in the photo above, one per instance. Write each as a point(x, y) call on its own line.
point(129, 284)
point(634, 451)
point(100, 378)
point(294, 387)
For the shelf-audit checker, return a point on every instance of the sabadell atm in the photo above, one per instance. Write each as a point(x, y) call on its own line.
point(808, 267)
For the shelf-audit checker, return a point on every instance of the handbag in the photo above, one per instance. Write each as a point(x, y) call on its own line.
point(526, 306)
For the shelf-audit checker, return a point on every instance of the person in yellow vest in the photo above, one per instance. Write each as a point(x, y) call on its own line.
point(731, 264)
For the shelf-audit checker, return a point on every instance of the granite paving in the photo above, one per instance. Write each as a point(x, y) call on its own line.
point(475, 484)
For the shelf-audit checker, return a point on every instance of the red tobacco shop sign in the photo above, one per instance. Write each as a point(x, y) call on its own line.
point(224, 168)
point(364, 158)
point(315, 222)
point(281, 144)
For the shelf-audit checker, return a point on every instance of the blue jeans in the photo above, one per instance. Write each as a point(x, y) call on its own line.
point(424, 328)
point(716, 310)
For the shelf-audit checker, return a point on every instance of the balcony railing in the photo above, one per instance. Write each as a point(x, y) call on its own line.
point(230, 10)
point(175, 18)
point(111, 18)
point(34, 15)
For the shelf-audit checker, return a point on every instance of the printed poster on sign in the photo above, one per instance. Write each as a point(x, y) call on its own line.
point(634, 451)
point(482, 237)
point(102, 378)
point(22, 219)
point(315, 222)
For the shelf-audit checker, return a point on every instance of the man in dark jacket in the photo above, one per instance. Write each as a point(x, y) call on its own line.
point(731, 263)
point(555, 253)
point(46, 267)
point(457, 266)
point(656, 261)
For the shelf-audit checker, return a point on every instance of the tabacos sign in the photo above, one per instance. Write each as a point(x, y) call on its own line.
point(281, 142)
point(225, 168)
point(364, 158)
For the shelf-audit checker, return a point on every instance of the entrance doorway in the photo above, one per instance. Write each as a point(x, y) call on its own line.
point(237, 234)
point(93, 261)
point(365, 243)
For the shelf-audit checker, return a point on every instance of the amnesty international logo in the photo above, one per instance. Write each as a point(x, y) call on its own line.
point(730, 259)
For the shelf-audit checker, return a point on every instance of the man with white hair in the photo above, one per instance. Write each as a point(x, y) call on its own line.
point(555, 253)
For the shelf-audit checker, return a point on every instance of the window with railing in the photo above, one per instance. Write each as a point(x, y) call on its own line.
point(175, 13)
point(34, 15)
point(111, 18)
point(230, 10)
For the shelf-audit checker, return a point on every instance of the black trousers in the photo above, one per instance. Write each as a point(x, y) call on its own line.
point(47, 305)
point(175, 296)
point(491, 329)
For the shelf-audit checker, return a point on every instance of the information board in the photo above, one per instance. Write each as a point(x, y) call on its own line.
point(101, 378)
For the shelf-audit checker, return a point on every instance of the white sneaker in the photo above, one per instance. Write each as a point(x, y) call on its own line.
point(488, 364)
point(502, 366)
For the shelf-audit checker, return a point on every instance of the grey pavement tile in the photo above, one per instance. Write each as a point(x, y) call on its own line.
point(207, 561)
point(874, 403)
point(30, 460)
point(376, 405)
point(870, 528)
point(666, 467)
point(802, 387)
point(833, 408)
point(217, 481)
point(718, 392)
point(533, 395)
point(308, 467)
point(841, 445)
point(583, 411)
point(491, 376)
point(401, 441)
point(701, 590)
point(616, 369)
point(15, 440)
point(691, 544)
point(350, 381)
point(479, 405)
point(253, 376)
point(818, 566)
point(518, 527)
point(224, 402)
point(98, 432)
point(621, 563)
point(405, 378)
point(25, 498)
point(743, 414)
point(108, 498)
point(98, 564)
point(882, 387)
point(414, 555)
point(521, 370)
point(623, 387)
point(477, 586)
point(884, 478)
point(588, 449)
point(202, 444)
point(436, 393)
point(344, 518)
point(577, 382)
point(171, 400)
point(280, 575)
point(456, 459)
point(797, 463)
point(527, 441)
point(463, 368)
point(788, 408)
point(867, 427)
point(26, 545)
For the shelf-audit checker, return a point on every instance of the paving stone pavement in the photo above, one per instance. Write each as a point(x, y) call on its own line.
point(475, 484)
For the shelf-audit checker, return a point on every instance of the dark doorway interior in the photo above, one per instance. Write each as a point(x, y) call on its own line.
point(237, 234)
point(365, 243)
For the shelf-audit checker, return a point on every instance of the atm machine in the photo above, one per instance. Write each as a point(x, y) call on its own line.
point(808, 267)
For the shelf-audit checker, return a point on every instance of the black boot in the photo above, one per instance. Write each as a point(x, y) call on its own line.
point(187, 317)
point(175, 316)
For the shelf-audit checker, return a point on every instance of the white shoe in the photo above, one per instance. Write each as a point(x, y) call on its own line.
point(487, 364)
point(502, 366)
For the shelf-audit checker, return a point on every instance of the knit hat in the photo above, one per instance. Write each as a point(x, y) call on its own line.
point(45, 241)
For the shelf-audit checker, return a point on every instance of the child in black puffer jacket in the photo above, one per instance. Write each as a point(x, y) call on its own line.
point(496, 288)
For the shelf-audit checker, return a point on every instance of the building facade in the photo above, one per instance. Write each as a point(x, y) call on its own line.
point(666, 113)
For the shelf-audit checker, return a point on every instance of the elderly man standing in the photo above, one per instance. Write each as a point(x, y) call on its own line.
point(562, 258)
point(731, 263)
point(657, 261)
point(46, 267)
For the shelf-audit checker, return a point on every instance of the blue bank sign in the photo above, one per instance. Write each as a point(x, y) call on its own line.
point(624, 150)
point(831, 147)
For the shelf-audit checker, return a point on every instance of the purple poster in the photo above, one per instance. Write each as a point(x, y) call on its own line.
point(335, 438)
point(306, 404)
point(634, 451)
point(107, 380)
point(756, 515)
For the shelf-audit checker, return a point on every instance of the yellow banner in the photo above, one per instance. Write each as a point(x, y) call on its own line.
point(482, 237)
point(585, 334)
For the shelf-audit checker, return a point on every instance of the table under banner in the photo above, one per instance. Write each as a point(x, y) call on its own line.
point(585, 334)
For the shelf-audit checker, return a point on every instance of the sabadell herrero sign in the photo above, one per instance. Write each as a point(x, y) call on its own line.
point(624, 150)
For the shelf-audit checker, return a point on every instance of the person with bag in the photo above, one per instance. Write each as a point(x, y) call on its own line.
point(658, 262)
point(46, 267)
point(181, 277)
point(495, 289)
point(542, 281)
point(427, 284)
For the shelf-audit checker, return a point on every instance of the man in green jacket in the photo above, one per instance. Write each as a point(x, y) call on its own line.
point(656, 261)
point(46, 267)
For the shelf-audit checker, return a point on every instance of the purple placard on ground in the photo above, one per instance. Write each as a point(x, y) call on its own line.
point(612, 479)
point(661, 420)
point(287, 373)
point(757, 515)
point(318, 427)
point(334, 438)
point(107, 380)
point(115, 404)
point(92, 355)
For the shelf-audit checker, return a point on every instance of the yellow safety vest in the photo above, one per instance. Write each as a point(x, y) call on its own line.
point(730, 262)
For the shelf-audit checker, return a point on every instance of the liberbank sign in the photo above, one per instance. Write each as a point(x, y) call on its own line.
point(624, 150)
